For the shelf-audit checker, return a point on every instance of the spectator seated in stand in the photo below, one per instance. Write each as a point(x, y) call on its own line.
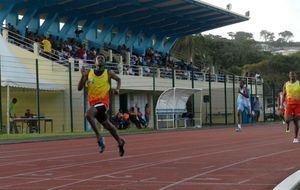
point(126, 119)
point(58, 49)
point(140, 118)
point(133, 118)
point(120, 121)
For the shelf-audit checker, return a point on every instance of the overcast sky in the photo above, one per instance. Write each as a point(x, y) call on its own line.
point(271, 15)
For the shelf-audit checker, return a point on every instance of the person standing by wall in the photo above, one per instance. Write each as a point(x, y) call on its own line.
point(256, 108)
point(12, 115)
point(147, 114)
point(242, 103)
point(139, 115)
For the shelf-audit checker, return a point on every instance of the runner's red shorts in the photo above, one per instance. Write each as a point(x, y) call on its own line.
point(292, 110)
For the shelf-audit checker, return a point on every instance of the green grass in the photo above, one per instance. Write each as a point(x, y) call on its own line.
point(29, 136)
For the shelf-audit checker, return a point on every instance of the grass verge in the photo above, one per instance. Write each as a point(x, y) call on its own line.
point(32, 136)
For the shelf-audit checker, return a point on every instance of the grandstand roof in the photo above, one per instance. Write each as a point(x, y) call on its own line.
point(170, 18)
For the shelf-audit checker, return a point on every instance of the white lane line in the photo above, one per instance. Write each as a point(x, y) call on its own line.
point(243, 181)
point(226, 166)
point(148, 179)
point(208, 179)
point(118, 177)
point(290, 168)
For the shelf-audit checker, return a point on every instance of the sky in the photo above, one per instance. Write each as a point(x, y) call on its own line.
point(272, 15)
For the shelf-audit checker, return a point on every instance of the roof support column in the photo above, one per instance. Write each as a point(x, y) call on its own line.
point(67, 27)
point(88, 26)
point(48, 22)
point(26, 19)
point(5, 11)
point(169, 44)
point(106, 36)
point(120, 38)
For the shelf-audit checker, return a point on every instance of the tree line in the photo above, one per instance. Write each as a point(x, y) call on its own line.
point(240, 54)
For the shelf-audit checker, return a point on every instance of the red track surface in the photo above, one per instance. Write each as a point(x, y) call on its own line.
point(257, 158)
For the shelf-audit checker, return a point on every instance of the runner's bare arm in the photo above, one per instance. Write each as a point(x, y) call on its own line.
point(113, 75)
point(83, 79)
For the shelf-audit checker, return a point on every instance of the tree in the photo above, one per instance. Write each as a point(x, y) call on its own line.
point(264, 35)
point(271, 37)
point(267, 36)
point(274, 69)
point(184, 48)
point(286, 35)
point(231, 34)
point(243, 36)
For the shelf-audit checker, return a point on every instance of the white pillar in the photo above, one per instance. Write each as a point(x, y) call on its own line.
point(110, 55)
point(72, 61)
point(128, 57)
point(5, 34)
point(120, 68)
point(7, 110)
point(80, 64)
point(141, 71)
point(36, 47)
point(158, 73)
point(121, 60)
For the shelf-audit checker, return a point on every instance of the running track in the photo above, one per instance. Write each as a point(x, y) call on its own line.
point(257, 158)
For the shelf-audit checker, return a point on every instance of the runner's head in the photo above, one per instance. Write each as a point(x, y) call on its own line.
point(292, 76)
point(100, 62)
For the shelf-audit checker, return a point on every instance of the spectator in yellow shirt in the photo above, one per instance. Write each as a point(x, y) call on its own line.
point(47, 45)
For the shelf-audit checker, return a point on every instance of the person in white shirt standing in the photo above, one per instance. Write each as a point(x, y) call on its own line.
point(243, 104)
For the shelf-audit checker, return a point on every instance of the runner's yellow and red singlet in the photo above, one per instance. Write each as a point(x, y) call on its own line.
point(292, 99)
point(98, 88)
point(292, 92)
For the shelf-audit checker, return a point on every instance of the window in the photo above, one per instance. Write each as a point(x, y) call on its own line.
point(20, 17)
point(42, 21)
point(4, 22)
point(61, 25)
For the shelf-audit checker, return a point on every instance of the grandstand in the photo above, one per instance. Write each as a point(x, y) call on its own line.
point(135, 36)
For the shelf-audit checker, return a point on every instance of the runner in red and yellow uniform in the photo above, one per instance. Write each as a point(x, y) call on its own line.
point(98, 87)
point(291, 93)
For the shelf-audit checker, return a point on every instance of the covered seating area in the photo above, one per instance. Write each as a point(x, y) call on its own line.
point(171, 110)
point(137, 24)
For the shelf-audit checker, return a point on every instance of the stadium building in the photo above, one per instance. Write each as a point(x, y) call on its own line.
point(135, 36)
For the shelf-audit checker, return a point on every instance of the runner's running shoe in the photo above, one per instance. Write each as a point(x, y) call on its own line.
point(121, 148)
point(101, 144)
